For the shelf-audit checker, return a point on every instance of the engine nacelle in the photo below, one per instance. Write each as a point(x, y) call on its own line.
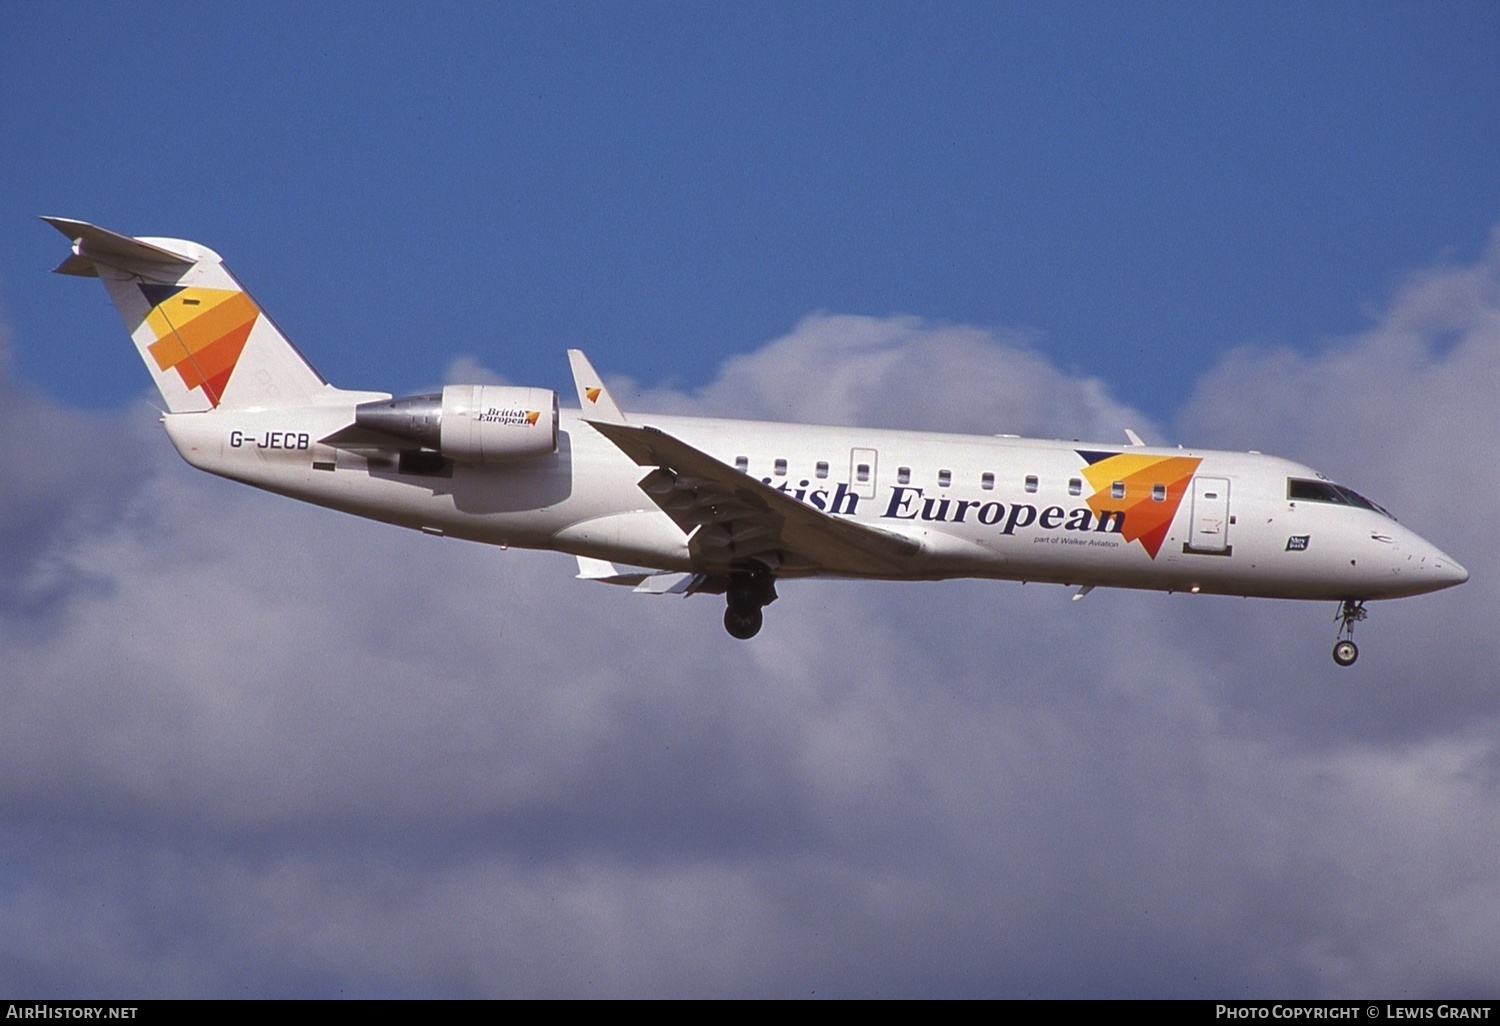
point(494, 423)
point(471, 423)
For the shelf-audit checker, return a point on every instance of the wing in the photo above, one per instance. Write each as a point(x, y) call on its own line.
point(731, 519)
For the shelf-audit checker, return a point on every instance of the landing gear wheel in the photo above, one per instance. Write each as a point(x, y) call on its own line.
point(1345, 652)
point(1351, 612)
point(743, 623)
point(749, 592)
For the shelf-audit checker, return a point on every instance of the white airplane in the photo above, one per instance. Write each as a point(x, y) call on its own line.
point(726, 506)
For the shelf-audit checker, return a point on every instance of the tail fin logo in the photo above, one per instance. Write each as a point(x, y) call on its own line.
point(1147, 489)
point(593, 394)
point(200, 333)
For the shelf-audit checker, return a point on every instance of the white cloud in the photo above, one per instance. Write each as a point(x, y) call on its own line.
point(904, 372)
point(467, 370)
point(254, 747)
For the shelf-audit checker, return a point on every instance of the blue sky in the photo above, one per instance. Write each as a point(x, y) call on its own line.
point(249, 747)
point(1138, 188)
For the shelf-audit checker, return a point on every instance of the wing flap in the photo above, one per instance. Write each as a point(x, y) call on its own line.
point(648, 582)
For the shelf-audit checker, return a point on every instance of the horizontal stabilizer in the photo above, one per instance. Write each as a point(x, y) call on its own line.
point(91, 243)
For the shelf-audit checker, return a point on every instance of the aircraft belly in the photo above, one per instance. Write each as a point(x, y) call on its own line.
point(642, 537)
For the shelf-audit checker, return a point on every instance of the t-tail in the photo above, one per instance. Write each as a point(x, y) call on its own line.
point(207, 344)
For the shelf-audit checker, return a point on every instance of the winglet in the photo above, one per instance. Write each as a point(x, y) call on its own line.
point(1135, 439)
point(595, 399)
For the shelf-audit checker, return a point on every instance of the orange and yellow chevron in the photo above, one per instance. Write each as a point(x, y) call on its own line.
point(593, 394)
point(200, 333)
point(1147, 519)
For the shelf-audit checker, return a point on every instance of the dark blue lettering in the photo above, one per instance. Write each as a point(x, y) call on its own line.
point(900, 500)
point(931, 512)
point(1021, 515)
point(842, 497)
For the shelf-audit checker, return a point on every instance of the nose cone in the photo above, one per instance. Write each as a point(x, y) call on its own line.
point(1449, 572)
point(1412, 564)
point(1440, 569)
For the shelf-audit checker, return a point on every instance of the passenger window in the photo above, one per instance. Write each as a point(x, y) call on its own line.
point(1159, 492)
point(1031, 482)
point(903, 475)
point(945, 478)
point(862, 473)
point(1117, 490)
point(822, 468)
point(742, 464)
point(781, 468)
point(1075, 486)
point(987, 481)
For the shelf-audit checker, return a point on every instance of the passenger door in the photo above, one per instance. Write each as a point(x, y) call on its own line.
point(1210, 527)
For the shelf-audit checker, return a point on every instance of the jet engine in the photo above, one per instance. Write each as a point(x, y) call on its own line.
point(470, 423)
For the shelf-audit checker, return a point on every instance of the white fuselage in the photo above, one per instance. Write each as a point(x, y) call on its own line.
point(977, 506)
point(725, 506)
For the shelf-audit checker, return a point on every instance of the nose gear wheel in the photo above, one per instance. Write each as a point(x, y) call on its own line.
point(1351, 612)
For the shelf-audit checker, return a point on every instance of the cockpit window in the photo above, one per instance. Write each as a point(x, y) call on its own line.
point(1303, 490)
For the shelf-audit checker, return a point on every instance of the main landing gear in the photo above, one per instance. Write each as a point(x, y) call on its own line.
point(749, 592)
point(1351, 611)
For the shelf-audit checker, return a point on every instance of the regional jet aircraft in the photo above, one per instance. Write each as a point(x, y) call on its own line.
point(730, 507)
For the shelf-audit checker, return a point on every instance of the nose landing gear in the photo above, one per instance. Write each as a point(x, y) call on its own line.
point(749, 592)
point(1351, 611)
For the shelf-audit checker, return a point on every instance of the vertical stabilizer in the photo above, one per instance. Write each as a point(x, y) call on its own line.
point(205, 341)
